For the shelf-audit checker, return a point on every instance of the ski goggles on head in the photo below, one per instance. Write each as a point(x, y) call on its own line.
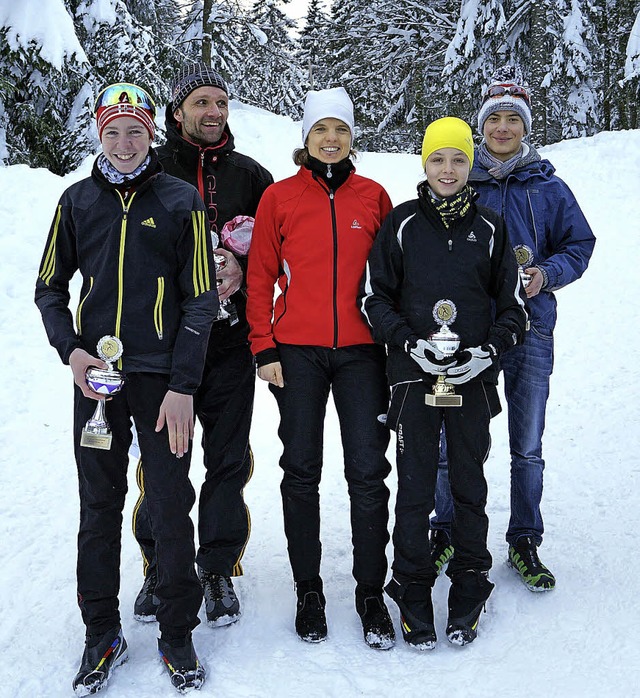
point(502, 90)
point(122, 94)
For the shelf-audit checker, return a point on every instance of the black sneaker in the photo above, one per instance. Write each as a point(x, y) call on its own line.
point(377, 625)
point(416, 613)
point(311, 622)
point(523, 557)
point(182, 663)
point(441, 548)
point(146, 603)
point(467, 598)
point(101, 656)
point(220, 601)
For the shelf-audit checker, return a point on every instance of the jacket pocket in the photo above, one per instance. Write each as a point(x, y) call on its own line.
point(157, 311)
point(79, 310)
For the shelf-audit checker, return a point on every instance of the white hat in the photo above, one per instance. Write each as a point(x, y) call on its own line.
point(323, 104)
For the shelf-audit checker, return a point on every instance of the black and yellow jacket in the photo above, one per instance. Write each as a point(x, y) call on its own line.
point(146, 262)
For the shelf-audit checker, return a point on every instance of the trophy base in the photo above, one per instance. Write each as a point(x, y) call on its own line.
point(443, 400)
point(92, 440)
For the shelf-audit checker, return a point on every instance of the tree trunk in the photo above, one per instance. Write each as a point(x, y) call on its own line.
point(206, 31)
point(539, 68)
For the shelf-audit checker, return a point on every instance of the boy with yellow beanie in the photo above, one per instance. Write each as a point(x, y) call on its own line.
point(442, 263)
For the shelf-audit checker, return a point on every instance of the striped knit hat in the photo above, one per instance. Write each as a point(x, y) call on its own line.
point(190, 78)
point(506, 91)
point(125, 99)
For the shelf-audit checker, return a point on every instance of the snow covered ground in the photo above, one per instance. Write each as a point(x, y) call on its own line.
point(578, 641)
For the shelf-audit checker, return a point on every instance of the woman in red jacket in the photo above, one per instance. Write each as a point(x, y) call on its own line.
point(312, 235)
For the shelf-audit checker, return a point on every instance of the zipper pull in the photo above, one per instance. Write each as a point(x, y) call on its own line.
point(450, 245)
point(329, 173)
point(331, 195)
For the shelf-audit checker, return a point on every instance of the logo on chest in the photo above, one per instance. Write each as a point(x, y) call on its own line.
point(356, 225)
point(472, 237)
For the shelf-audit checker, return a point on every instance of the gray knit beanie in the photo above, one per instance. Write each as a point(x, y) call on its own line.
point(190, 78)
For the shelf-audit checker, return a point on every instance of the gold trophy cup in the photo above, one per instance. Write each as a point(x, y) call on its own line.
point(447, 341)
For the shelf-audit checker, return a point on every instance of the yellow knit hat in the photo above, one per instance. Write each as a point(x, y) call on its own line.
point(448, 132)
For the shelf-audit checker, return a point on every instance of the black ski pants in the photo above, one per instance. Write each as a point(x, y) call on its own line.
point(356, 377)
point(418, 446)
point(102, 477)
point(223, 405)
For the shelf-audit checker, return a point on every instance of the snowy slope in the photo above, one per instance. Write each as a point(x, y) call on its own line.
point(579, 640)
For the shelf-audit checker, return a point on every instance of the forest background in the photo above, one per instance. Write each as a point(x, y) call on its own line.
point(404, 63)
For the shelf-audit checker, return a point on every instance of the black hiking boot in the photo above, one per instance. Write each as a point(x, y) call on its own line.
point(440, 548)
point(377, 625)
point(101, 656)
point(220, 601)
point(523, 557)
point(416, 612)
point(146, 603)
point(467, 598)
point(182, 663)
point(311, 622)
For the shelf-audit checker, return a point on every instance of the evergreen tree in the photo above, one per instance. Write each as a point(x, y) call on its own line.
point(45, 102)
point(312, 54)
point(476, 50)
point(390, 62)
point(211, 32)
point(573, 86)
point(120, 49)
point(271, 77)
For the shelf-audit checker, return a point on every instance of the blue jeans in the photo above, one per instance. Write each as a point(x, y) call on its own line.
point(526, 370)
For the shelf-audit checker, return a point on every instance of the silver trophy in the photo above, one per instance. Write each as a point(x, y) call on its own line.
point(96, 433)
point(524, 258)
point(227, 310)
point(447, 341)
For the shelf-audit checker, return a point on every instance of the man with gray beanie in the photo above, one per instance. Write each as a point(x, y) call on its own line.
point(200, 150)
point(553, 243)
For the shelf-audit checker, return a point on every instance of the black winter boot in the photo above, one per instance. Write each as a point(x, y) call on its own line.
point(182, 663)
point(311, 622)
point(377, 625)
point(416, 612)
point(101, 656)
point(467, 598)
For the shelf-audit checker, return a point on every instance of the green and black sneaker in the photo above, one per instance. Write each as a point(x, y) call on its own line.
point(441, 548)
point(523, 557)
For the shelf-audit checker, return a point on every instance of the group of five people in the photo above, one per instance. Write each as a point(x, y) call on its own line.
point(364, 288)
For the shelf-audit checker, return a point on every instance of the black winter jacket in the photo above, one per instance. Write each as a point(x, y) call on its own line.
point(416, 261)
point(147, 275)
point(230, 185)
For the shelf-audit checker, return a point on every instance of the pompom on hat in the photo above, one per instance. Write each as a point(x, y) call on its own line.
point(125, 99)
point(448, 132)
point(334, 103)
point(190, 78)
point(506, 91)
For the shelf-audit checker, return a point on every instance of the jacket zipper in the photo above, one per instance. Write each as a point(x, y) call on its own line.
point(200, 176)
point(334, 226)
point(123, 238)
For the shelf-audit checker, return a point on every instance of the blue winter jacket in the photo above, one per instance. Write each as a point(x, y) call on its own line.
point(541, 212)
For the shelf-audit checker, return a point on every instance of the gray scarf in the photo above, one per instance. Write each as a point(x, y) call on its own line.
point(499, 169)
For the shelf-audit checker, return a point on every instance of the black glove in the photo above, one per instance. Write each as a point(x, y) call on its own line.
point(471, 363)
point(426, 354)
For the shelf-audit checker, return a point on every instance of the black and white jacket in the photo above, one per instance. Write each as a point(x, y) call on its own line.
point(416, 261)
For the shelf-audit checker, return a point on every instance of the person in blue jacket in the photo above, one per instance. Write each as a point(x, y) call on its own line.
point(553, 243)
